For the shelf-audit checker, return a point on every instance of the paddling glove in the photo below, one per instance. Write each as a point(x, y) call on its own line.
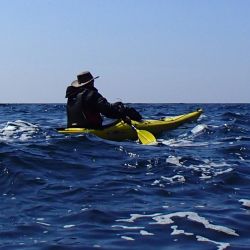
point(126, 112)
point(133, 114)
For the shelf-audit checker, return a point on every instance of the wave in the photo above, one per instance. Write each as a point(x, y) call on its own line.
point(80, 191)
point(19, 131)
point(178, 219)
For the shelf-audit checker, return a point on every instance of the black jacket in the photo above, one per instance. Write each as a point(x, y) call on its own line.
point(85, 106)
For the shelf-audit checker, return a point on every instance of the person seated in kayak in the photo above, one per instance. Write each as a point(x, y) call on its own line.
point(85, 105)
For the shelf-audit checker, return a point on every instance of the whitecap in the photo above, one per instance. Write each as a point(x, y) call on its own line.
point(174, 179)
point(174, 160)
point(209, 169)
point(245, 202)
point(199, 129)
point(40, 219)
point(144, 232)
point(126, 227)
point(156, 182)
point(68, 226)
point(134, 217)
point(127, 238)
point(183, 143)
point(192, 216)
point(221, 245)
point(96, 246)
point(43, 223)
point(176, 231)
point(223, 171)
point(20, 130)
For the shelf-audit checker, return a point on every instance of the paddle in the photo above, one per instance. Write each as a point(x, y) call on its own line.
point(144, 136)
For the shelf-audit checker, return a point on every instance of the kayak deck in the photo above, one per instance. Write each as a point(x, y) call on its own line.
point(121, 131)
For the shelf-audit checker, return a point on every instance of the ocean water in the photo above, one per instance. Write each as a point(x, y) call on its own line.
point(190, 191)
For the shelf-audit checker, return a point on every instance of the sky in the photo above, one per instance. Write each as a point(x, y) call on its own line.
point(145, 51)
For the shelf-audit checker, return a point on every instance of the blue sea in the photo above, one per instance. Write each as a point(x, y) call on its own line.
point(190, 191)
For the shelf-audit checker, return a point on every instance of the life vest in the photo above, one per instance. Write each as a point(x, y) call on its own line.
point(81, 114)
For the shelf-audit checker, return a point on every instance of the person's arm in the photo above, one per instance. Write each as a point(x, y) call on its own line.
point(110, 110)
point(116, 110)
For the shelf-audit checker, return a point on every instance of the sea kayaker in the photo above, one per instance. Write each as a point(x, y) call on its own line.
point(85, 105)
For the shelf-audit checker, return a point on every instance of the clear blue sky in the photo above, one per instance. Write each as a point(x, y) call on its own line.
point(144, 50)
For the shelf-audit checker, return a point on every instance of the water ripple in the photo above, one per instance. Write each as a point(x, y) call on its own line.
point(81, 192)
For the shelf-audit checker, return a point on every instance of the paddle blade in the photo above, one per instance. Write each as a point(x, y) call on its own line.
point(145, 137)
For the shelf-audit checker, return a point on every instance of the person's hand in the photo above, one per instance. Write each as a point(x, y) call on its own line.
point(119, 106)
point(127, 120)
point(133, 114)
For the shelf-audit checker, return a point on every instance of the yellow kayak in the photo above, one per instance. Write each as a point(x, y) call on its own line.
point(120, 131)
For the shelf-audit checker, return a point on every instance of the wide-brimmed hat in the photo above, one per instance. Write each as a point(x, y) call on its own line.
point(83, 79)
